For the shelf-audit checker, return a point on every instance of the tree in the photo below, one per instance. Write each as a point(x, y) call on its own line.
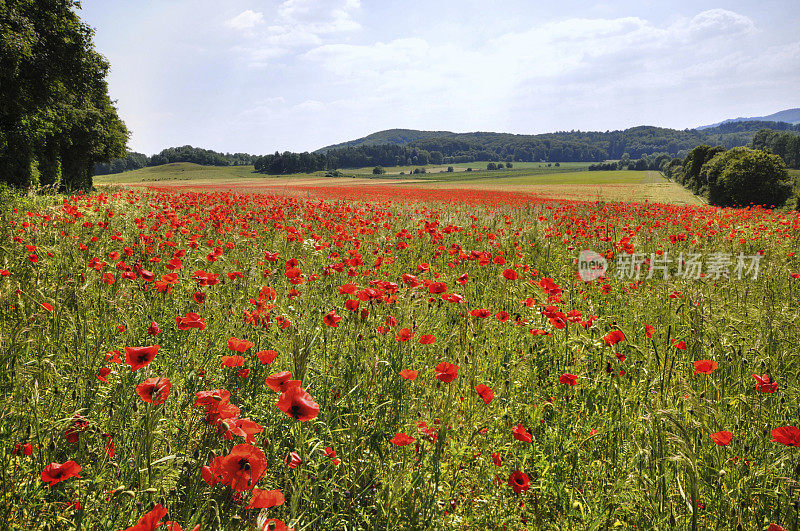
point(693, 165)
point(742, 176)
point(378, 170)
point(450, 169)
point(56, 118)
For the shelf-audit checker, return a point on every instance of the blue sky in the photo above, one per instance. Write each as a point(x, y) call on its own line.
point(259, 76)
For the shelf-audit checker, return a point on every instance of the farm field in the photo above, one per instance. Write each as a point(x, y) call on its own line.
point(382, 357)
point(573, 183)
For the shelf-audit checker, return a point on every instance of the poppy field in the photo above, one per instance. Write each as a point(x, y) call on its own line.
point(380, 358)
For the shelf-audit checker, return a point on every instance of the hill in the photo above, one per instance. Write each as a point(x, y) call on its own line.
point(791, 116)
point(389, 136)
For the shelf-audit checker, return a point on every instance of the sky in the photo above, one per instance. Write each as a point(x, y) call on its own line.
point(260, 76)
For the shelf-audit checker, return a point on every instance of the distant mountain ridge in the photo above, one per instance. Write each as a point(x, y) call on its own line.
point(780, 121)
point(791, 116)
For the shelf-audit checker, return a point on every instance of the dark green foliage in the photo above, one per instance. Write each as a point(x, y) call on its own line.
point(205, 157)
point(401, 147)
point(784, 144)
point(287, 162)
point(378, 170)
point(742, 176)
point(693, 165)
point(56, 118)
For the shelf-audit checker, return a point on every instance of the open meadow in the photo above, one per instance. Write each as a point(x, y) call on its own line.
point(570, 181)
point(413, 359)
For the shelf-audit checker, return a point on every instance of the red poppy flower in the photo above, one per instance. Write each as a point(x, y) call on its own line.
point(245, 427)
point(485, 392)
point(47, 307)
point(199, 297)
point(57, 472)
point(22, 449)
point(231, 361)
point(446, 372)
point(614, 337)
point(401, 439)
point(190, 320)
point(103, 373)
point(151, 520)
point(437, 287)
point(497, 459)
point(775, 527)
point(680, 345)
point(154, 390)
point(519, 481)
point(351, 305)
point(331, 319)
point(510, 274)
point(567, 378)
point(292, 460)
point(481, 313)
point(409, 374)
point(648, 331)
point(427, 339)
point(264, 499)
point(705, 366)
point(331, 454)
point(503, 316)
point(239, 345)
point(298, 404)
point(348, 289)
point(764, 384)
point(153, 329)
point(138, 357)
point(721, 438)
point(787, 435)
point(404, 334)
point(521, 434)
point(241, 469)
point(281, 381)
point(266, 356)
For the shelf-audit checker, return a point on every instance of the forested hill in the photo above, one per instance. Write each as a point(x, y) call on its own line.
point(389, 136)
point(791, 116)
point(402, 146)
point(206, 157)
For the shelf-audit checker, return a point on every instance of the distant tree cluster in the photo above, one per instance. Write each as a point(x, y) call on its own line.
point(206, 157)
point(784, 144)
point(56, 117)
point(288, 162)
point(735, 177)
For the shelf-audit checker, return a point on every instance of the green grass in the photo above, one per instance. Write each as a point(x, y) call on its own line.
point(179, 171)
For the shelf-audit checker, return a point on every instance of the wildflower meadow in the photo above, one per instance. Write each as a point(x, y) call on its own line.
point(366, 358)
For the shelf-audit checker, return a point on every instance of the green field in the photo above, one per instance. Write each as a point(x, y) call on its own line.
point(185, 171)
point(179, 171)
point(475, 166)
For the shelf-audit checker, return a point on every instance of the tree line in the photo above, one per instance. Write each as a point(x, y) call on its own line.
point(56, 117)
point(733, 177)
point(784, 144)
point(206, 157)
point(637, 148)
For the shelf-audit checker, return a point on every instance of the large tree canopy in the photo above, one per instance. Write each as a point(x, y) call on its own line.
point(742, 176)
point(56, 117)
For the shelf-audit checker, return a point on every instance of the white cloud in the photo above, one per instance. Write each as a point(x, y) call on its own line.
point(298, 24)
point(245, 20)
